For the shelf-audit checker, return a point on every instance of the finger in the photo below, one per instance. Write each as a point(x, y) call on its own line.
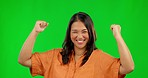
point(119, 27)
point(42, 24)
point(111, 27)
point(45, 24)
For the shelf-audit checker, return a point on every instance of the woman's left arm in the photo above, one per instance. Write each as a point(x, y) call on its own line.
point(127, 63)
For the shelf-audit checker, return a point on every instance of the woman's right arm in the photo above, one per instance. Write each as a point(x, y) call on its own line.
point(26, 51)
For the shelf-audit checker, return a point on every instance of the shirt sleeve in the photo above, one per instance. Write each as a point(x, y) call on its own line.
point(111, 66)
point(40, 62)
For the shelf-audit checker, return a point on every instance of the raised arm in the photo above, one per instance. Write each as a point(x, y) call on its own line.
point(127, 63)
point(26, 51)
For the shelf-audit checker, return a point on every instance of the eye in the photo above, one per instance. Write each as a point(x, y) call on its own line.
point(74, 31)
point(84, 31)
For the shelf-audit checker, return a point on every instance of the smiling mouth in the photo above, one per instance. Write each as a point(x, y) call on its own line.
point(80, 41)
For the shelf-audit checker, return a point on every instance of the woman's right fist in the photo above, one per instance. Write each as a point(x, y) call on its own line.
point(40, 26)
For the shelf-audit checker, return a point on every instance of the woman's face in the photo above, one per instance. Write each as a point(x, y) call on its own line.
point(79, 35)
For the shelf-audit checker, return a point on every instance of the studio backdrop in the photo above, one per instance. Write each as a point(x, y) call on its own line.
point(18, 17)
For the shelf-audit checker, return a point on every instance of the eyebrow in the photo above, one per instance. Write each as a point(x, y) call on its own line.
point(76, 30)
point(84, 30)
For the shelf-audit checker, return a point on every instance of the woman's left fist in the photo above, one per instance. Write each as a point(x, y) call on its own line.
point(116, 29)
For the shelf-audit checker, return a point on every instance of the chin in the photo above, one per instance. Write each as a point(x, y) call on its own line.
point(81, 47)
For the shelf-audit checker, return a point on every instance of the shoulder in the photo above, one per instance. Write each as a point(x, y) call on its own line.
point(49, 52)
point(55, 51)
point(58, 50)
point(101, 54)
point(47, 55)
point(104, 58)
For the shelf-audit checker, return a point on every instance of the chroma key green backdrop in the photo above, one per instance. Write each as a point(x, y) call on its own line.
point(18, 17)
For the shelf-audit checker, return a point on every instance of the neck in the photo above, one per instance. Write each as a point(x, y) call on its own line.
point(78, 51)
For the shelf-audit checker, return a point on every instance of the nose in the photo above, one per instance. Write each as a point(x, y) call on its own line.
point(79, 36)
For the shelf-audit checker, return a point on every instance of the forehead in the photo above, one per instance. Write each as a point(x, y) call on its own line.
point(78, 26)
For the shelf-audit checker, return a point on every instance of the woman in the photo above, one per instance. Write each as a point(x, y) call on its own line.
point(79, 57)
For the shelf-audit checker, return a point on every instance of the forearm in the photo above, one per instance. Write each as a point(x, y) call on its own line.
point(127, 64)
point(27, 48)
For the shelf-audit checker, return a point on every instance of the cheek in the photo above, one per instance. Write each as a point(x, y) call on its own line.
point(73, 36)
point(86, 36)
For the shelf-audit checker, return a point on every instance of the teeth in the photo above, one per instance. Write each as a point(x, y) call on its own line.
point(80, 41)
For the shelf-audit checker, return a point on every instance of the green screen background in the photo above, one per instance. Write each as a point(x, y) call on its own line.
point(18, 17)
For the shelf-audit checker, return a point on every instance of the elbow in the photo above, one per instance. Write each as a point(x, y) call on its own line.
point(130, 69)
point(19, 61)
point(126, 70)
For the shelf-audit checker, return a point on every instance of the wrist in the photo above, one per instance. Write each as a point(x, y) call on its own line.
point(35, 32)
point(118, 36)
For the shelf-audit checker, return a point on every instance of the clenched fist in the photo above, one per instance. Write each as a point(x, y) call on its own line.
point(116, 29)
point(40, 26)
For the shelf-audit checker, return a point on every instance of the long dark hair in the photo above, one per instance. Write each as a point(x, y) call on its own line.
point(68, 45)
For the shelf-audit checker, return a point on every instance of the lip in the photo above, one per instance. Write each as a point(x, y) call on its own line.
point(80, 41)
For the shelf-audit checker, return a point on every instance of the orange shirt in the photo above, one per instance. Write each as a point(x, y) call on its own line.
point(99, 65)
